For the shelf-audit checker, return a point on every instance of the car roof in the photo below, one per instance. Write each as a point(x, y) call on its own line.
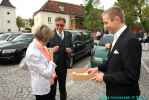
point(76, 30)
point(10, 33)
point(27, 33)
point(7, 35)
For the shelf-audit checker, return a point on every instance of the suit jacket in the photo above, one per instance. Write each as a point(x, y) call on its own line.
point(123, 66)
point(61, 58)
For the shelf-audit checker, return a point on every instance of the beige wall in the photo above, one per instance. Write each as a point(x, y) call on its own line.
point(42, 18)
point(4, 17)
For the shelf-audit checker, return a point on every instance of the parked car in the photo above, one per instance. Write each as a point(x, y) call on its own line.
point(100, 52)
point(146, 40)
point(82, 44)
point(8, 36)
point(16, 48)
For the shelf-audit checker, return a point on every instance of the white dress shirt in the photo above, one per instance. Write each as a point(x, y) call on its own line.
point(117, 35)
point(40, 70)
point(60, 34)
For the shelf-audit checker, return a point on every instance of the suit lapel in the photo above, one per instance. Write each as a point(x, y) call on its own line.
point(64, 35)
point(118, 42)
point(58, 37)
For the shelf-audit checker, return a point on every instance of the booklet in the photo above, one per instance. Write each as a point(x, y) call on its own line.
point(79, 74)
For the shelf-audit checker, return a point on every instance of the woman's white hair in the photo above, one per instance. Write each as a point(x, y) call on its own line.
point(42, 32)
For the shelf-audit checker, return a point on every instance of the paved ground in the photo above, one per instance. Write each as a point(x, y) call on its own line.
point(15, 84)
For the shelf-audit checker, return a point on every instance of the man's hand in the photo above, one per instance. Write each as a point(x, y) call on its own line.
point(55, 48)
point(68, 50)
point(92, 70)
point(98, 76)
point(108, 45)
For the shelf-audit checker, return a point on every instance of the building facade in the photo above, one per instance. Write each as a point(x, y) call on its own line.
point(7, 17)
point(52, 9)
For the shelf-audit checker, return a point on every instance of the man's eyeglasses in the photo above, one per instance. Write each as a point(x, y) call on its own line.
point(60, 25)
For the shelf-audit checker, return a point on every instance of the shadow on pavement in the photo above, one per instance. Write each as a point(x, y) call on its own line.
point(7, 63)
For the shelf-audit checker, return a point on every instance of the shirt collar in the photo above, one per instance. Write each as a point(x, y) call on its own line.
point(59, 33)
point(120, 31)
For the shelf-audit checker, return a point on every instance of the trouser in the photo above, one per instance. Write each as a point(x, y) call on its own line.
point(43, 97)
point(61, 78)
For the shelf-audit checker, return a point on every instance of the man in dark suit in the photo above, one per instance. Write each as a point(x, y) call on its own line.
point(62, 44)
point(121, 71)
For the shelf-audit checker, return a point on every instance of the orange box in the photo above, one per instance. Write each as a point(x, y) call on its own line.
point(79, 74)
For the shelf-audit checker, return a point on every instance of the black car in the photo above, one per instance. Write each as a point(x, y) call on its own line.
point(8, 36)
point(16, 48)
point(146, 40)
point(82, 44)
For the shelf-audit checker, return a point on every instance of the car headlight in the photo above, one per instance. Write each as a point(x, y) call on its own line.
point(8, 50)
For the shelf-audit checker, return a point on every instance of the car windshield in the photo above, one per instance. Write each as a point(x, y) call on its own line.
point(11, 37)
point(8, 36)
point(76, 36)
point(24, 37)
point(4, 36)
point(79, 35)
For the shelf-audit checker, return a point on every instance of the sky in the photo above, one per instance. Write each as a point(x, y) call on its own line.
point(26, 8)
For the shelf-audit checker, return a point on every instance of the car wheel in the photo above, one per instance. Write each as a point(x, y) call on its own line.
point(90, 52)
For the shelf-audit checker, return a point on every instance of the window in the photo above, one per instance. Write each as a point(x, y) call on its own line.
point(49, 20)
point(9, 30)
point(24, 38)
point(8, 13)
point(61, 8)
point(8, 21)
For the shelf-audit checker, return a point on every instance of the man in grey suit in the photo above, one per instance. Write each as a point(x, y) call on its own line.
point(121, 71)
point(62, 45)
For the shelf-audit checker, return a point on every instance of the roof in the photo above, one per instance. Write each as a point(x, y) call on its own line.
point(63, 8)
point(6, 3)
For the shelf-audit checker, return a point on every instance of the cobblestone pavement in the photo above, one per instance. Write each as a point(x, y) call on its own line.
point(144, 80)
point(15, 84)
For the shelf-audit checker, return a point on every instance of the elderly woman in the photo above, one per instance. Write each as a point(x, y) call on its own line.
point(39, 62)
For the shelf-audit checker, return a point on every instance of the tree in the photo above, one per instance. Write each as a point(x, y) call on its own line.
point(20, 22)
point(135, 11)
point(145, 21)
point(145, 11)
point(92, 16)
point(128, 7)
point(31, 22)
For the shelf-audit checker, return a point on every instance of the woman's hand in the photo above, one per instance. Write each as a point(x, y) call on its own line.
point(55, 48)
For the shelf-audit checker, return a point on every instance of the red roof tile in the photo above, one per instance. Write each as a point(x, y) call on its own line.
point(54, 6)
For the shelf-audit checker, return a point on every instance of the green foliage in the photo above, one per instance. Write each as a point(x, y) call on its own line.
point(92, 19)
point(20, 22)
point(145, 11)
point(145, 24)
point(135, 11)
point(129, 10)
